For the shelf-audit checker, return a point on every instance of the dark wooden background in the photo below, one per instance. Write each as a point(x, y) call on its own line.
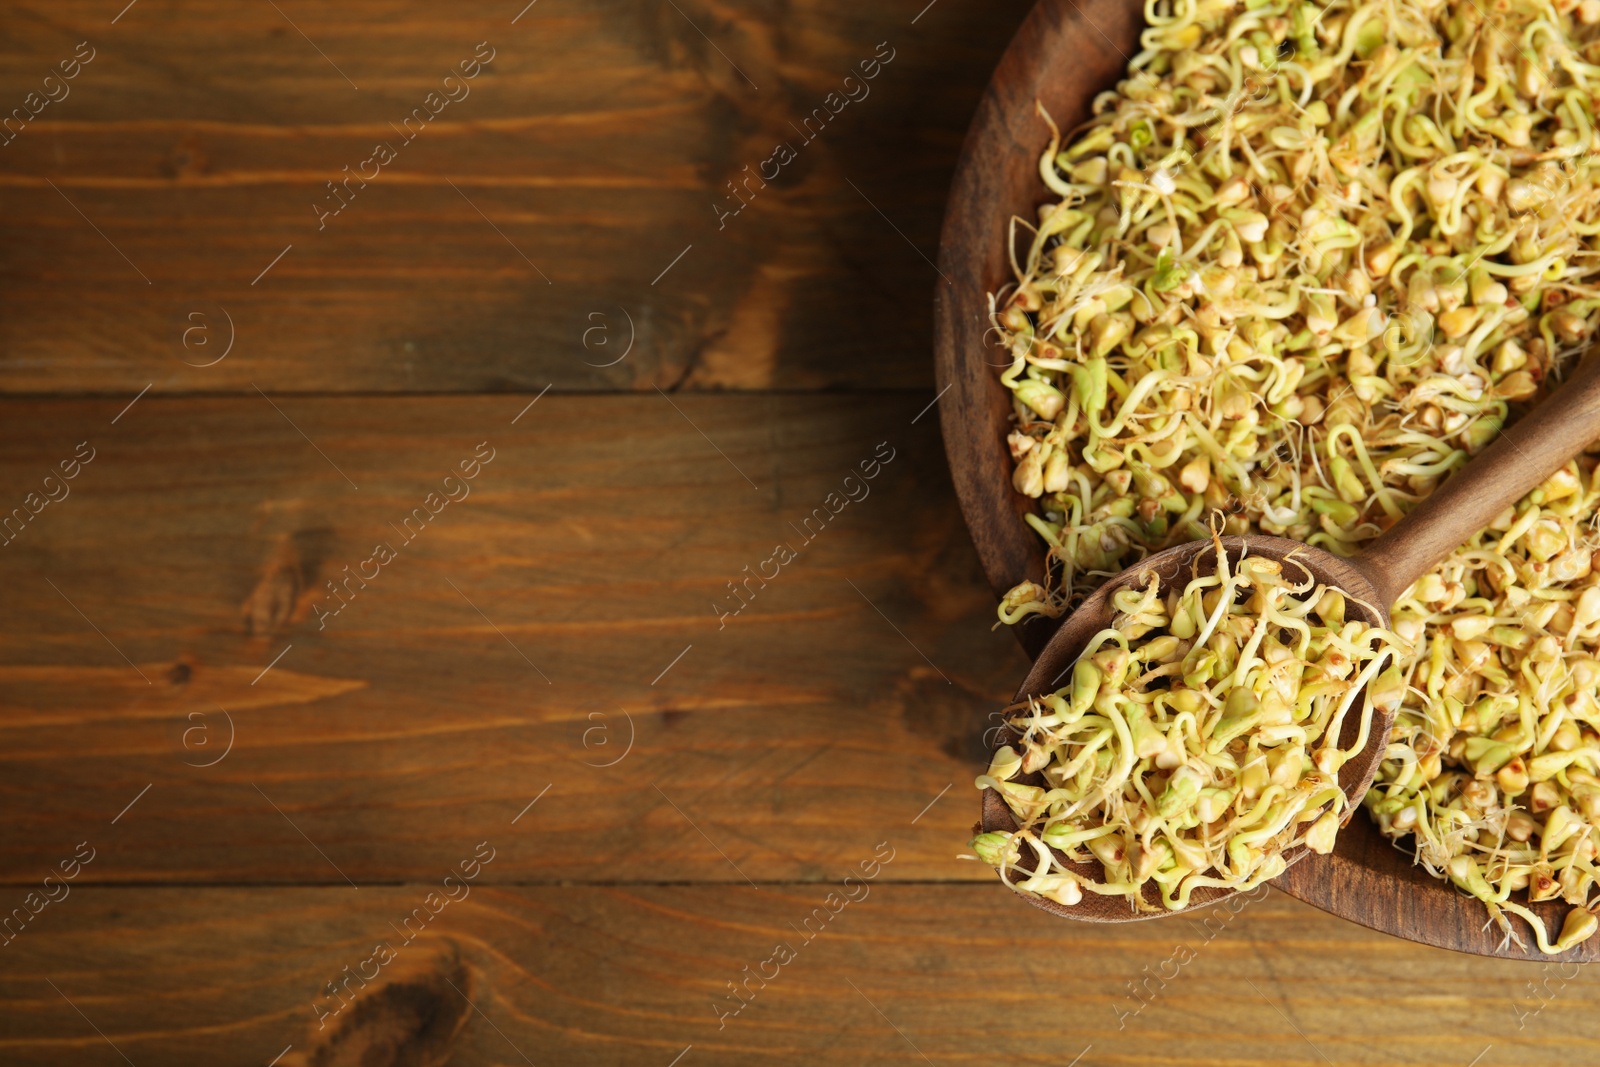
point(700, 786)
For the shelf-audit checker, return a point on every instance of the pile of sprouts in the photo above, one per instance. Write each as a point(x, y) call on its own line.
point(1303, 263)
point(1197, 742)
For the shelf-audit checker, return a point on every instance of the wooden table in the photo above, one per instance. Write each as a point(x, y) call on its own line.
point(337, 755)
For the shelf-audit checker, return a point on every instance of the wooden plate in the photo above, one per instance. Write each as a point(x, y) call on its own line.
point(1066, 52)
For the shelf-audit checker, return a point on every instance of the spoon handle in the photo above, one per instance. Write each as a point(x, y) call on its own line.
point(1518, 460)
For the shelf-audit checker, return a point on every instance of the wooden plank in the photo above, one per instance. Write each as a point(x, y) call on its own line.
point(522, 238)
point(635, 975)
point(199, 541)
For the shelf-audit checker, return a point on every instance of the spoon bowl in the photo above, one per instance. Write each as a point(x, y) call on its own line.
point(1174, 566)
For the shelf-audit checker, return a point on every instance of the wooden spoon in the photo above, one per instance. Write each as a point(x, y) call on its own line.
point(1517, 461)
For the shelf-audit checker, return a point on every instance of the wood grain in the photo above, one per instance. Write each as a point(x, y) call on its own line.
point(630, 975)
point(199, 541)
point(1173, 568)
point(591, 152)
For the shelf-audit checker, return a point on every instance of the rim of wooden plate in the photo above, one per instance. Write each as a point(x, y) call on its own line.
point(1065, 52)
